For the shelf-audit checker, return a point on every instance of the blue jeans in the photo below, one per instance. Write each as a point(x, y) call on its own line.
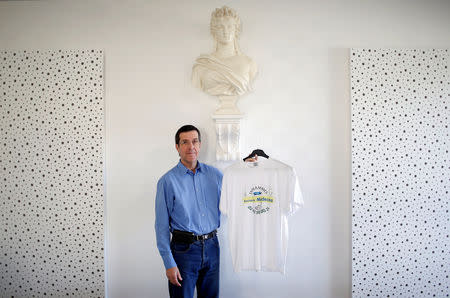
point(198, 264)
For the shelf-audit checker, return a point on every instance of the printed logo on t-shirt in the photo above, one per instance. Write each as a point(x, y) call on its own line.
point(258, 199)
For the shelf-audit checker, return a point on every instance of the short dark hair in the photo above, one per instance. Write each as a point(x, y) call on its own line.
point(186, 128)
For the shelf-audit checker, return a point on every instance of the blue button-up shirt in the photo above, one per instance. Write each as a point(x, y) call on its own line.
point(186, 201)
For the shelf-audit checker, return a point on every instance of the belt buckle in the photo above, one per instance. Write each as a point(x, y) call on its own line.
point(202, 237)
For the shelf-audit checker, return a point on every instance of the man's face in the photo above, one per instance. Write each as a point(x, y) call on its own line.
point(189, 147)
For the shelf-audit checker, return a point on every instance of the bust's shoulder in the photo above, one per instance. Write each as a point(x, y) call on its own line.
point(253, 67)
point(205, 56)
point(246, 60)
point(246, 57)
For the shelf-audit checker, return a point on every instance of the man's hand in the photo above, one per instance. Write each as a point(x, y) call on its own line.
point(252, 159)
point(174, 276)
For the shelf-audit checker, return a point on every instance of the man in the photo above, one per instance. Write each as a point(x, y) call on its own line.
point(187, 205)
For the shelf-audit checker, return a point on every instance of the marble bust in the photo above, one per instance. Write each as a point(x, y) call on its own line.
point(226, 72)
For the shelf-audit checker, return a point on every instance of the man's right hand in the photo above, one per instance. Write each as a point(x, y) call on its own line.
point(174, 276)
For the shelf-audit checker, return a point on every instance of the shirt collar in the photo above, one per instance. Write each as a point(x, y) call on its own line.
point(182, 168)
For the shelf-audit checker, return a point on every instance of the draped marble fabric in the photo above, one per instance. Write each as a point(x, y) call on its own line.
point(218, 79)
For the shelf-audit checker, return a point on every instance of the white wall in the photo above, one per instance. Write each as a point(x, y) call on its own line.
point(299, 113)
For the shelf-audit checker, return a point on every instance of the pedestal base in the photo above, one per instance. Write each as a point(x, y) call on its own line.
point(228, 106)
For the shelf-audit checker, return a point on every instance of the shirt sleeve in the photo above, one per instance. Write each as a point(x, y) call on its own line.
point(219, 183)
point(162, 225)
point(223, 206)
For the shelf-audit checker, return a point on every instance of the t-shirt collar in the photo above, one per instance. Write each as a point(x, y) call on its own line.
point(254, 164)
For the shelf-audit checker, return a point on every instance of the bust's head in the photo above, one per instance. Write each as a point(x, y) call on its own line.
point(225, 25)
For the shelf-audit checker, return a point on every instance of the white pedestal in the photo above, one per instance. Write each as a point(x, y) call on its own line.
point(228, 129)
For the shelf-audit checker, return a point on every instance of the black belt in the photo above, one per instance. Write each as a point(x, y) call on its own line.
point(189, 237)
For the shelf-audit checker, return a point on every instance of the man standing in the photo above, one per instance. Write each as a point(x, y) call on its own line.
point(187, 205)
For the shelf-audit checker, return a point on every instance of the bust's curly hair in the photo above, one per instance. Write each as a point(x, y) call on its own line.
point(226, 11)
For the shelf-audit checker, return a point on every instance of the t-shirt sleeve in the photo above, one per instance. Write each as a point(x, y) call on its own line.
point(294, 195)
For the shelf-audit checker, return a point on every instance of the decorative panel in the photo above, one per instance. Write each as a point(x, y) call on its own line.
point(51, 172)
point(400, 110)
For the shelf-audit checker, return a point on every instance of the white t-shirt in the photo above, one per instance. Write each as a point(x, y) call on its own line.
point(257, 198)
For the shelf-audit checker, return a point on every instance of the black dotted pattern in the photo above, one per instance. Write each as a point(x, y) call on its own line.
point(51, 172)
point(400, 173)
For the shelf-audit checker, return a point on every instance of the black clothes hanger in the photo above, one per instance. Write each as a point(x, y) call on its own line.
point(258, 152)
